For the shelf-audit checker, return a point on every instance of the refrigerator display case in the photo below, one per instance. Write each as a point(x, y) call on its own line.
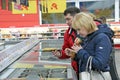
point(41, 71)
point(38, 65)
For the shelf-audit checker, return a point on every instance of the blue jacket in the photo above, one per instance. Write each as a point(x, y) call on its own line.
point(98, 45)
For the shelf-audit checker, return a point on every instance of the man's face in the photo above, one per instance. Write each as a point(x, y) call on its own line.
point(68, 19)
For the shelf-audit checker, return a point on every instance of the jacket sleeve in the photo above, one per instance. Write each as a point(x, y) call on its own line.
point(64, 46)
point(102, 52)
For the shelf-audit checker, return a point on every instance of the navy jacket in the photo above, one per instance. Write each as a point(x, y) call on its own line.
point(98, 45)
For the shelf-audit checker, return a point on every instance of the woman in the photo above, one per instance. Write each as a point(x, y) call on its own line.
point(96, 44)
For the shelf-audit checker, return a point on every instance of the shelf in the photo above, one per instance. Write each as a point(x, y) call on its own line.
point(116, 41)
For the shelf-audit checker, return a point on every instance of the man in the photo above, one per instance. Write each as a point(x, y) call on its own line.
point(69, 36)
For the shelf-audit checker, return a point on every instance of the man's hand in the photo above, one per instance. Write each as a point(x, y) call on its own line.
point(57, 53)
point(70, 52)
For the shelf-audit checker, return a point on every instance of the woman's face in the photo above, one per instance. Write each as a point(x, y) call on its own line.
point(82, 32)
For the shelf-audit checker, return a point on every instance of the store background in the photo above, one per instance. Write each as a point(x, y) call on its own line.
point(28, 18)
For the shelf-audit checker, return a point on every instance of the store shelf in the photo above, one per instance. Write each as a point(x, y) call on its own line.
point(116, 41)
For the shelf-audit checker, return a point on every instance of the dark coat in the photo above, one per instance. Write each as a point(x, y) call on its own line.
point(98, 45)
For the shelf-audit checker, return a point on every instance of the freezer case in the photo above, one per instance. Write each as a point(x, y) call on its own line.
point(44, 70)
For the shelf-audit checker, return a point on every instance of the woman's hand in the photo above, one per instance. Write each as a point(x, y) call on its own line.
point(76, 48)
point(77, 41)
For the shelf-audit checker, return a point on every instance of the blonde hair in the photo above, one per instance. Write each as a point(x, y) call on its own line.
point(84, 20)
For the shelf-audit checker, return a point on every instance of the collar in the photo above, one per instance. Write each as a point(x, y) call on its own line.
point(71, 30)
